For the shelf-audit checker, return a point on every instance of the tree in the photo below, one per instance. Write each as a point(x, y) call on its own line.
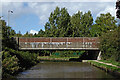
point(87, 21)
point(110, 45)
point(27, 34)
point(12, 33)
point(19, 34)
point(58, 23)
point(7, 34)
point(41, 33)
point(13, 60)
point(118, 8)
point(63, 23)
point(35, 35)
point(104, 23)
point(81, 24)
point(95, 31)
point(76, 24)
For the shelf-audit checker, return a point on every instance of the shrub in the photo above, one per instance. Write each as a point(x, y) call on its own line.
point(110, 45)
point(10, 64)
point(26, 59)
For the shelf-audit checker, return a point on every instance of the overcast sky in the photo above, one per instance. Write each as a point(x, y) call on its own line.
point(31, 16)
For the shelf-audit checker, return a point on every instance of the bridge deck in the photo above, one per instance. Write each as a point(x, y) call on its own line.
point(60, 43)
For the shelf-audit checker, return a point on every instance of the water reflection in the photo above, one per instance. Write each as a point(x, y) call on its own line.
point(64, 70)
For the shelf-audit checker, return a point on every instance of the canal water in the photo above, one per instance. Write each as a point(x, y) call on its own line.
point(64, 70)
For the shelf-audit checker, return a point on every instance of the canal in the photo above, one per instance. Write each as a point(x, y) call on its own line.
point(64, 70)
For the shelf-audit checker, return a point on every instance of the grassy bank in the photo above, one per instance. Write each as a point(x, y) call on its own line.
point(112, 62)
point(108, 68)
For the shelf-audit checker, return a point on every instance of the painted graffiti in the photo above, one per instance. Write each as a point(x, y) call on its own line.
point(58, 43)
point(35, 44)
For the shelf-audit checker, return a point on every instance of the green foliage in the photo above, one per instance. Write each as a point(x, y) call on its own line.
point(28, 35)
point(7, 34)
point(58, 23)
point(61, 24)
point(95, 31)
point(87, 21)
point(81, 23)
point(15, 61)
point(104, 23)
point(10, 63)
point(109, 45)
point(76, 25)
point(19, 34)
point(41, 33)
point(24, 57)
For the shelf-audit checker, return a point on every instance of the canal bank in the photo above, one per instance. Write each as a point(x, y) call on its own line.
point(107, 67)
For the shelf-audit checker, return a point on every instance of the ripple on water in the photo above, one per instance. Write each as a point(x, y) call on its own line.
point(64, 70)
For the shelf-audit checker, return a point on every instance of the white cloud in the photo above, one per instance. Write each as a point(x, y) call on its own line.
point(33, 31)
point(43, 9)
point(109, 9)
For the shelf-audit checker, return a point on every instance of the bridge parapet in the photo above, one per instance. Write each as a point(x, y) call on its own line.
point(62, 43)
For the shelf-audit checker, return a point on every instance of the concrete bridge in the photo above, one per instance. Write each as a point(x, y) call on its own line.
point(58, 43)
point(90, 44)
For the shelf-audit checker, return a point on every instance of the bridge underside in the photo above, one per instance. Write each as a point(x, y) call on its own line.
point(90, 54)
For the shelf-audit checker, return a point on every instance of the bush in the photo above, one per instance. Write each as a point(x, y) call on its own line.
point(110, 45)
point(24, 57)
point(15, 61)
point(10, 64)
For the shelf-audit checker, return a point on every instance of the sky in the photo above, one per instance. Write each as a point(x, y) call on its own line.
point(32, 15)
